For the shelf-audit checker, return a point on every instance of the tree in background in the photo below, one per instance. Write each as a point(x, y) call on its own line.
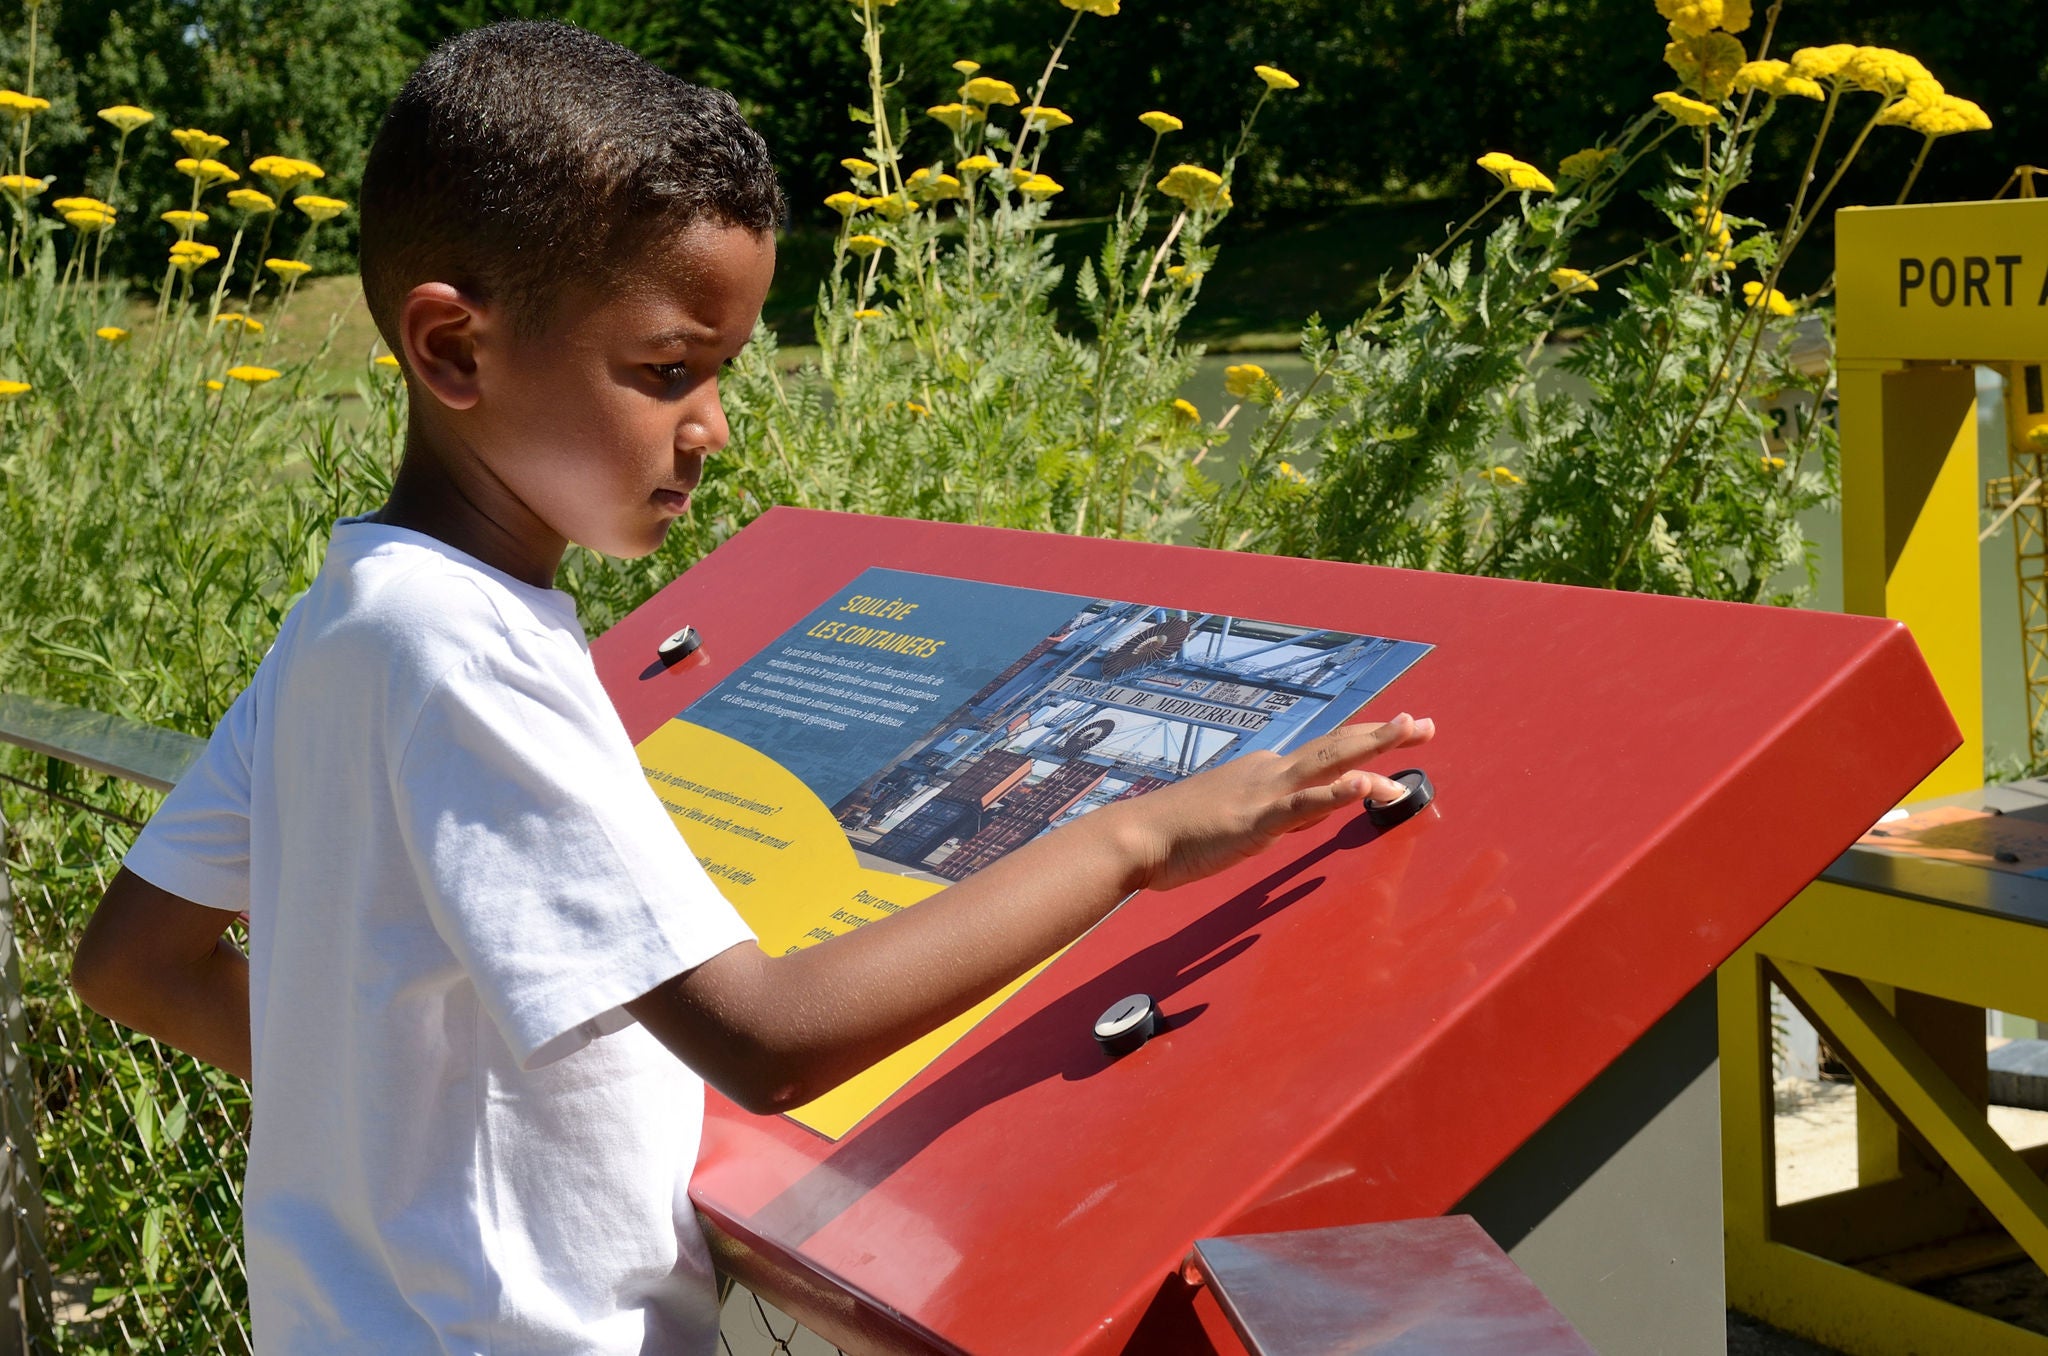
point(304, 78)
point(1395, 92)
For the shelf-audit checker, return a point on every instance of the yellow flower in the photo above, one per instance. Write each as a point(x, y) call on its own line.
point(1185, 411)
point(127, 117)
point(986, 89)
point(933, 188)
point(198, 144)
point(955, 116)
point(113, 334)
point(1195, 186)
point(1044, 119)
point(255, 376)
point(1180, 275)
point(1773, 463)
point(319, 208)
point(1105, 8)
point(1285, 470)
point(247, 322)
point(1775, 302)
point(1776, 79)
point(213, 385)
point(1501, 475)
point(915, 408)
point(207, 172)
point(1706, 62)
point(859, 168)
point(1161, 123)
point(893, 207)
point(1690, 112)
point(1880, 70)
point(82, 205)
point(22, 187)
point(1948, 116)
point(1276, 78)
point(1039, 187)
point(966, 66)
point(1581, 165)
point(1244, 379)
point(846, 204)
point(1571, 280)
point(867, 313)
point(386, 360)
point(15, 105)
point(88, 220)
point(288, 268)
point(976, 164)
point(185, 219)
point(1699, 17)
point(13, 390)
point(1515, 174)
point(282, 172)
point(187, 255)
point(1821, 63)
point(864, 245)
point(251, 200)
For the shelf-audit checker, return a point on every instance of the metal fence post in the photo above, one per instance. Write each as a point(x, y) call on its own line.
point(24, 1270)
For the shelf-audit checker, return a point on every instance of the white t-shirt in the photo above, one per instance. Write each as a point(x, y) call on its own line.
point(455, 874)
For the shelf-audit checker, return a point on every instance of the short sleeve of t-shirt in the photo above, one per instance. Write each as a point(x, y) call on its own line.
point(197, 844)
point(546, 862)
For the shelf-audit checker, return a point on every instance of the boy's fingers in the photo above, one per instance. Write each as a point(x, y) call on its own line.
point(1347, 746)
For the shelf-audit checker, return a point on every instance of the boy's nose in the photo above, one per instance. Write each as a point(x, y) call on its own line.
point(704, 428)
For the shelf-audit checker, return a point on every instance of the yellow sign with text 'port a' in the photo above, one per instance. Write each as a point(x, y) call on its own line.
point(1962, 282)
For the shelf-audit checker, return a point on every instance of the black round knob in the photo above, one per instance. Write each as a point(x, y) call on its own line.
point(681, 645)
point(1413, 801)
point(1127, 1025)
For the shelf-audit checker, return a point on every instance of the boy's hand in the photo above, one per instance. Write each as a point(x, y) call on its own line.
point(1201, 826)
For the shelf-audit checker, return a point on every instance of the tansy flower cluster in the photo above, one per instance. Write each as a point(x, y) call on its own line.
point(1515, 175)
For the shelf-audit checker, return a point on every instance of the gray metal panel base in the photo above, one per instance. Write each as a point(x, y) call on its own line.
point(1614, 1207)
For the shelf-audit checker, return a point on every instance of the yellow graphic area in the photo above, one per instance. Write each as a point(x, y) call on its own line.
point(774, 849)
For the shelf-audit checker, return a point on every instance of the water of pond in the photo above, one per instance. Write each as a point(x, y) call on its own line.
point(2005, 730)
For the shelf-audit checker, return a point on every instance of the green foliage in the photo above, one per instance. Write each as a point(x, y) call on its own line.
point(1435, 445)
point(306, 78)
point(153, 531)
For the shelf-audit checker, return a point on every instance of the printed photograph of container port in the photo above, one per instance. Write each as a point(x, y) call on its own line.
point(1124, 698)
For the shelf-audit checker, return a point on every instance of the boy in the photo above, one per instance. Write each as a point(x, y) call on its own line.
point(484, 973)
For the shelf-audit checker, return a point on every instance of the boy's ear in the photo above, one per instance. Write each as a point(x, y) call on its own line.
point(438, 324)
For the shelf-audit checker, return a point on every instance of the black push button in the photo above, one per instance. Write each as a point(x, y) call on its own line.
point(680, 646)
point(1412, 802)
point(1127, 1025)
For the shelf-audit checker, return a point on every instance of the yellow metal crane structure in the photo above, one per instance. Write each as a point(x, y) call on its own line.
point(2019, 497)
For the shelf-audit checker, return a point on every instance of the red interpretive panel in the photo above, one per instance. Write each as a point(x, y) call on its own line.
point(1356, 1027)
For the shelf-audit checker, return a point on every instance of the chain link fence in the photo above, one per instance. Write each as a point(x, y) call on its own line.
point(121, 1161)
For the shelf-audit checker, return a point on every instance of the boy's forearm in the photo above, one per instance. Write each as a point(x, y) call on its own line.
point(833, 1009)
point(775, 1032)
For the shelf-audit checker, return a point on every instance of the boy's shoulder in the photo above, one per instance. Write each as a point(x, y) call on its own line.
point(398, 604)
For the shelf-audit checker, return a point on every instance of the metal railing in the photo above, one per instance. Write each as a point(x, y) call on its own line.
point(120, 1160)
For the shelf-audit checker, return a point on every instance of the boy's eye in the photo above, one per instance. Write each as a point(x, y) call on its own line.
point(670, 372)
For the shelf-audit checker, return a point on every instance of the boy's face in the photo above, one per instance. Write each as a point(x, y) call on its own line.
point(598, 427)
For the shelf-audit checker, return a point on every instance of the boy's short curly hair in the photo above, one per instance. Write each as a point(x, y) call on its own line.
point(527, 155)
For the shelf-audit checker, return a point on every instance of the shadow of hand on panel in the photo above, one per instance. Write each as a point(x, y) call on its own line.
point(1052, 1042)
